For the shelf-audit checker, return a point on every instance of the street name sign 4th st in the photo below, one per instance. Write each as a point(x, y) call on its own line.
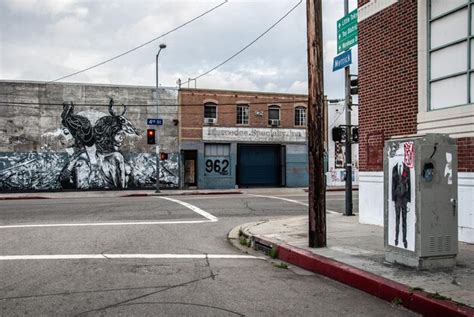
point(154, 121)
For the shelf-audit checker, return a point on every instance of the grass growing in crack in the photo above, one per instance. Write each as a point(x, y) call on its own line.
point(281, 265)
point(416, 289)
point(241, 233)
point(439, 296)
point(397, 301)
point(273, 253)
point(243, 241)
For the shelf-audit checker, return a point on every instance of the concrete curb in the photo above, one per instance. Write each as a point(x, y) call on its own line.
point(417, 301)
point(118, 194)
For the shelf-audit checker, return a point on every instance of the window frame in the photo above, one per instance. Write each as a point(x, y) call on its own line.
point(241, 115)
point(469, 5)
point(274, 107)
point(210, 104)
point(298, 117)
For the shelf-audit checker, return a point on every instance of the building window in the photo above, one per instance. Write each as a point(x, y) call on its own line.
point(242, 114)
point(300, 116)
point(274, 115)
point(210, 112)
point(451, 53)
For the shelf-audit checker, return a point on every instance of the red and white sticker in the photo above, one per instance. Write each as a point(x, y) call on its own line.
point(408, 154)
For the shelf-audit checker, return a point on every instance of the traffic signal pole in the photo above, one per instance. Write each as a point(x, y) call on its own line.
point(348, 145)
point(317, 184)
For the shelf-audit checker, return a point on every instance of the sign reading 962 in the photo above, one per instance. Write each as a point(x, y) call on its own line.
point(217, 166)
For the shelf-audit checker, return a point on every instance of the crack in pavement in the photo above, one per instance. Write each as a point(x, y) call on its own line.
point(186, 304)
point(144, 295)
point(213, 276)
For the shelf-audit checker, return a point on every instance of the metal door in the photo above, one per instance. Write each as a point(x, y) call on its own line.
point(258, 165)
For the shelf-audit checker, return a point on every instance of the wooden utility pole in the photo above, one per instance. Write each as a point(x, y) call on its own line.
point(317, 184)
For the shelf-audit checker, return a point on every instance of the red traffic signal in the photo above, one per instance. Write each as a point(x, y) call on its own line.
point(163, 156)
point(151, 136)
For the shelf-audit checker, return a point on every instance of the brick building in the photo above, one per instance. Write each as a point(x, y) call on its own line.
point(416, 76)
point(230, 138)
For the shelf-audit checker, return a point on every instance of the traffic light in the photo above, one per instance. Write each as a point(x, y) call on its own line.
point(337, 134)
point(163, 156)
point(354, 85)
point(355, 135)
point(151, 136)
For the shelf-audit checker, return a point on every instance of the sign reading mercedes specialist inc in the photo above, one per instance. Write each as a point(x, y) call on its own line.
point(253, 134)
point(347, 32)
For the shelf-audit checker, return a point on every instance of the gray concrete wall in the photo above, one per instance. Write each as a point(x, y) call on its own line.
point(35, 142)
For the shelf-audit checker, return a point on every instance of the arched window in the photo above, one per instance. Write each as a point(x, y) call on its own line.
point(210, 112)
point(274, 115)
point(300, 116)
point(242, 114)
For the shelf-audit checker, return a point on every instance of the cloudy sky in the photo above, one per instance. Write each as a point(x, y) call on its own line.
point(44, 40)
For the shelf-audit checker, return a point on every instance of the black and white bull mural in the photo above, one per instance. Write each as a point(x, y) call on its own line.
point(91, 157)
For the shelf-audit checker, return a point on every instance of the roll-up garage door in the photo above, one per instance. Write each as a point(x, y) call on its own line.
point(258, 165)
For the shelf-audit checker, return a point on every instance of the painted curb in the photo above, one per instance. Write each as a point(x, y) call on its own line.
point(24, 197)
point(417, 301)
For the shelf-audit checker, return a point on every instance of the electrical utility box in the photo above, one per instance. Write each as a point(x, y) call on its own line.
point(420, 201)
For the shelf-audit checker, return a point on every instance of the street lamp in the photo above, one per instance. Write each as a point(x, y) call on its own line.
point(162, 46)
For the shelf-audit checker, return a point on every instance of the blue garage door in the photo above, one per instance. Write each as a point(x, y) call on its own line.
point(258, 165)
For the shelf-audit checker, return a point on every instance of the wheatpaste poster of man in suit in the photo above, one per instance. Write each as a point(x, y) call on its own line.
point(401, 204)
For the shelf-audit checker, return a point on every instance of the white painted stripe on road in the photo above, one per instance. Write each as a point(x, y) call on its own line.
point(124, 256)
point(292, 201)
point(193, 208)
point(97, 224)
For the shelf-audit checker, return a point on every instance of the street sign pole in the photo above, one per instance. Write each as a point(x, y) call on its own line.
point(348, 104)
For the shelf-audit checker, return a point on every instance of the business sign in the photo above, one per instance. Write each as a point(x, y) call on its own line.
point(341, 61)
point(347, 32)
point(154, 121)
point(254, 134)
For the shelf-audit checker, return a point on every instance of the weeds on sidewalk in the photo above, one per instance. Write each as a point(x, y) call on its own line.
point(397, 301)
point(281, 265)
point(274, 253)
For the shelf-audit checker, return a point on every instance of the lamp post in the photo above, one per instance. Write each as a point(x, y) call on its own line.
point(162, 46)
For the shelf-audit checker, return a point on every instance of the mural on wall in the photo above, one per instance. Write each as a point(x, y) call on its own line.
point(92, 157)
point(401, 202)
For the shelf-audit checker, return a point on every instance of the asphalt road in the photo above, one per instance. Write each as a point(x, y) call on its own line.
point(159, 256)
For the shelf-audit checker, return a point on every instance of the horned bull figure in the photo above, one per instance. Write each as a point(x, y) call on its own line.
point(110, 131)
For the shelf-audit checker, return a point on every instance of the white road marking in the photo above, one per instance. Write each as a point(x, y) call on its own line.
point(94, 224)
point(124, 256)
point(208, 216)
point(292, 201)
point(197, 210)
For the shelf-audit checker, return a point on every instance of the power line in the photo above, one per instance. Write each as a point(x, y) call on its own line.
point(139, 46)
point(247, 46)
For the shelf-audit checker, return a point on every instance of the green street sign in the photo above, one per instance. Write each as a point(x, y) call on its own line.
point(347, 32)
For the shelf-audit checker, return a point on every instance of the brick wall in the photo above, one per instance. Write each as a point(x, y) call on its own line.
point(387, 79)
point(465, 154)
point(192, 109)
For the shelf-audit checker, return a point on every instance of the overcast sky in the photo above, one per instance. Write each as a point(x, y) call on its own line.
point(43, 40)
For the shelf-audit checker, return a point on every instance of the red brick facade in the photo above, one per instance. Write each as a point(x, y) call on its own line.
point(192, 109)
point(388, 84)
point(388, 79)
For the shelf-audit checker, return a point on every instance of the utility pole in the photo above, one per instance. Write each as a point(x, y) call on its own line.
point(348, 104)
point(317, 184)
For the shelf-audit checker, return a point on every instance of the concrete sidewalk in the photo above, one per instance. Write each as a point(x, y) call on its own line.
point(355, 256)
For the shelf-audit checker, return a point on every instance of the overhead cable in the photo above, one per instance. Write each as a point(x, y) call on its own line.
point(141, 45)
point(246, 46)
